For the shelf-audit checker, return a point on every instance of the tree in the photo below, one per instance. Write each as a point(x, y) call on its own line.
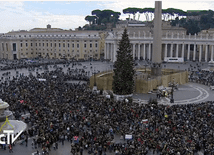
point(98, 14)
point(147, 11)
point(106, 16)
point(131, 11)
point(123, 79)
point(90, 19)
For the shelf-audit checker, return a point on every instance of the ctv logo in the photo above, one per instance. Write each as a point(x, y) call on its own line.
point(8, 133)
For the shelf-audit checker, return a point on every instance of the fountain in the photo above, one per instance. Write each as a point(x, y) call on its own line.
point(6, 120)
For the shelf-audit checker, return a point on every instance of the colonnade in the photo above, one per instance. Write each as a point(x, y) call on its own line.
point(143, 50)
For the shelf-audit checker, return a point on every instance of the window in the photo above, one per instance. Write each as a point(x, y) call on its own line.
point(96, 45)
point(47, 44)
point(14, 46)
point(31, 44)
point(36, 44)
point(63, 44)
point(26, 44)
point(77, 45)
point(55, 44)
point(59, 44)
point(90, 45)
point(73, 45)
point(20, 44)
point(51, 44)
point(85, 45)
point(39, 44)
point(43, 44)
point(68, 45)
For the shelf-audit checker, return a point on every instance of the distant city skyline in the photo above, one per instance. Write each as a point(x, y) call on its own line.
point(25, 15)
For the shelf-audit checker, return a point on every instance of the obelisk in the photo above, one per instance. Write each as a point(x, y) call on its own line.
point(157, 40)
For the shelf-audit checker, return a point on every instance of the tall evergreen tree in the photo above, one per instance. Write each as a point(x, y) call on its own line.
point(123, 79)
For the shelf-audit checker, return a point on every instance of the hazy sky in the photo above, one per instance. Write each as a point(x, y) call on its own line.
point(25, 15)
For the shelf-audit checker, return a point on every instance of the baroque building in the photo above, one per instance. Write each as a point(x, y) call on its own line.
point(52, 43)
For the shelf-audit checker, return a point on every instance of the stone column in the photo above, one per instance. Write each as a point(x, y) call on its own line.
point(112, 52)
point(144, 51)
point(149, 57)
point(165, 51)
point(177, 50)
point(212, 53)
point(194, 52)
point(171, 51)
point(115, 52)
point(183, 51)
point(134, 51)
point(105, 49)
point(188, 52)
point(157, 36)
point(206, 53)
point(108, 51)
point(138, 56)
point(200, 52)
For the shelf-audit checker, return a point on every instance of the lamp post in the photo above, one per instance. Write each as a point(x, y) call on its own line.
point(94, 78)
point(172, 84)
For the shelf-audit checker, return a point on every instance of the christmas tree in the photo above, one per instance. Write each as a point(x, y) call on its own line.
point(123, 79)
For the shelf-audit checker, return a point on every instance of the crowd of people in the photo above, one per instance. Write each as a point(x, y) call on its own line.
point(62, 111)
point(205, 77)
point(31, 63)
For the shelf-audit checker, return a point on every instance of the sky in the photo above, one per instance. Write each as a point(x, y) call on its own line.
point(26, 15)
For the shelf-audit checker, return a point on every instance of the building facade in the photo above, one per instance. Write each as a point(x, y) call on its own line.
point(175, 43)
point(52, 43)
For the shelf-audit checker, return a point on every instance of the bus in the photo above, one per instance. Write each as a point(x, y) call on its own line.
point(173, 59)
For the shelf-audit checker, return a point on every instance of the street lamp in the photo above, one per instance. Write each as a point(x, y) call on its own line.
point(172, 84)
point(94, 78)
